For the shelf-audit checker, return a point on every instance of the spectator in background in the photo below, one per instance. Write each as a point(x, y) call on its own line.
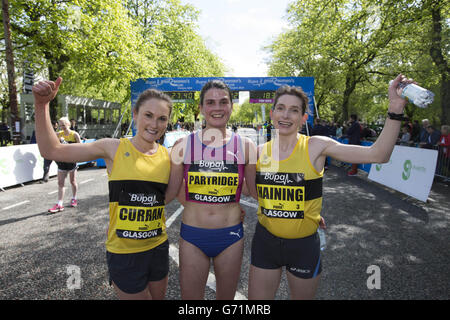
point(73, 125)
point(354, 137)
point(124, 128)
point(5, 135)
point(48, 162)
point(269, 131)
point(319, 129)
point(432, 139)
point(33, 137)
point(365, 132)
point(444, 149)
point(338, 130)
point(66, 136)
point(306, 129)
point(331, 129)
point(415, 134)
point(423, 135)
point(406, 136)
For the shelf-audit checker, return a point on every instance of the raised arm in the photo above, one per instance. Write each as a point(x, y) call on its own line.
point(379, 152)
point(48, 143)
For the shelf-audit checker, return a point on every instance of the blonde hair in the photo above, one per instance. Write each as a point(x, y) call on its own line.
point(65, 120)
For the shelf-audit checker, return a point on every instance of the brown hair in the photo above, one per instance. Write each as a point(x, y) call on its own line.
point(217, 84)
point(293, 91)
point(153, 94)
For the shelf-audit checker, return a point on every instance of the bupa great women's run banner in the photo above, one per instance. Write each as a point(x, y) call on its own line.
point(264, 86)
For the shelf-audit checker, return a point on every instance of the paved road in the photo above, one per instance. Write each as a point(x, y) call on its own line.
point(368, 225)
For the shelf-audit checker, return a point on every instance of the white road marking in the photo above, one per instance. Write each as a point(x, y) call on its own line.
point(88, 180)
point(53, 192)
point(174, 216)
point(250, 204)
point(15, 205)
point(174, 254)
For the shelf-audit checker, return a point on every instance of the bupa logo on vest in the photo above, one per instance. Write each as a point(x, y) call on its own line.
point(279, 178)
point(147, 200)
point(213, 165)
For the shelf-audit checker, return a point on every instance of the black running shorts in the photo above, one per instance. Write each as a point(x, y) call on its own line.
point(131, 272)
point(301, 257)
point(67, 166)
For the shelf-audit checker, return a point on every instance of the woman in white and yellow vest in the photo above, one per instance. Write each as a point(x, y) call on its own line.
point(138, 173)
point(289, 175)
point(65, 135)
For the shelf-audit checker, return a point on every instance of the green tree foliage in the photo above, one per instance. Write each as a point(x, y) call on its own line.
point(245, 113)
point(353, 48)
point(99, 46)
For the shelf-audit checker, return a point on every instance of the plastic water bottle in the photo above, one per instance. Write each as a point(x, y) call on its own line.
point(323, 240)
point(419, 96)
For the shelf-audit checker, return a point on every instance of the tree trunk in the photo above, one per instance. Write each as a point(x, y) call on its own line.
point(56, 65)
point(52, 75)
point(11, 74)
point(439, 59)
point(350, 85)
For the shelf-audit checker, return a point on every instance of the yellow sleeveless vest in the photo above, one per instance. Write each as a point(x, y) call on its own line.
point(137, 186)
point(289, 192)
point(70, 138)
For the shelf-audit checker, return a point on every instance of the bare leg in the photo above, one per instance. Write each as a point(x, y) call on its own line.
point(158, 289)
point(263, 283)
point(61, 181)
point(227, 268)
point(73, 182)
point(302, 289)
point(194, 269)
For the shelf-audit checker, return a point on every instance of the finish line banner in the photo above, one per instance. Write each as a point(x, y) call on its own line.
point(409, 170)
point(264, 84)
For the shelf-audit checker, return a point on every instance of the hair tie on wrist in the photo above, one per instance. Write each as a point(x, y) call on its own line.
point(397, 116)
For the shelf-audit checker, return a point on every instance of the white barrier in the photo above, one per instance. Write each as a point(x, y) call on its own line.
point(409, 170)
point(23, 163)
point(172, 137)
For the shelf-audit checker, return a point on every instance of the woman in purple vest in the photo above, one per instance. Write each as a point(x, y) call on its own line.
point(212, 162)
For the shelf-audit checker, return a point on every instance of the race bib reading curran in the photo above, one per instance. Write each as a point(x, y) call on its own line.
point(140, 216)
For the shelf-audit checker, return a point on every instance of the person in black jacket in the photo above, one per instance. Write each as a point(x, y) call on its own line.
point(432, 139)
point(354, 137)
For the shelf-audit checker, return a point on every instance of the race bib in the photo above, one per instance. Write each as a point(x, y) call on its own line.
point(213, 182)
point(140, 216)
point(281, 195)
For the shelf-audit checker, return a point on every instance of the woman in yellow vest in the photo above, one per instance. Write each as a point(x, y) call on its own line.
point(65, 135)
point(289, 175)
point(138, 173)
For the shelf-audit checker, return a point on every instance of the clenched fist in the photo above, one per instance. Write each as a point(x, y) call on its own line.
point(45, 91)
